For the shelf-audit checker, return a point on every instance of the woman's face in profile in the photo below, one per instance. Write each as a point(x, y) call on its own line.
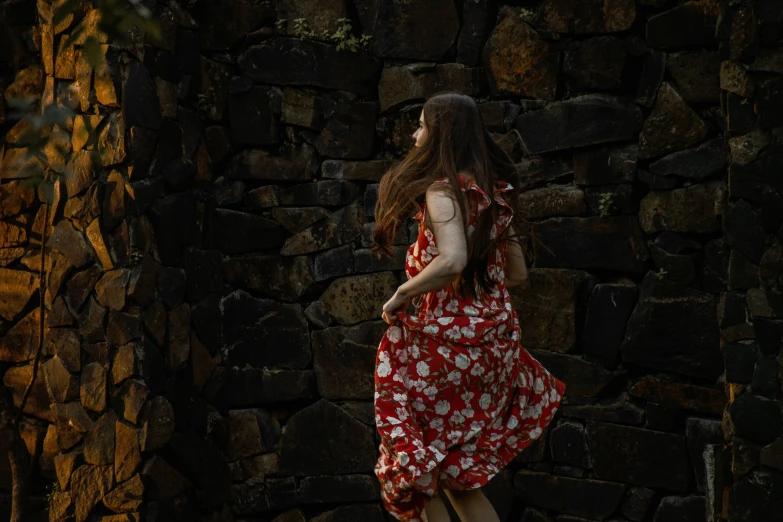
point(421, 132)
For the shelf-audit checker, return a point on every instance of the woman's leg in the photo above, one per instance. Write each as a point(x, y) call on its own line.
point(472, 506)
point(435, 511)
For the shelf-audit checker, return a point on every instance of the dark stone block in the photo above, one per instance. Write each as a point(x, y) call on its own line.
point(583, 18)
point(180, 175)
point(604, 165)
point(745, 456)
point(697, 163)
point(203, 271)
point(192, 130)
point(534, 59)
point(333, 263)
point(141, 147)
point(583, 378)
point(595, 499)
point(205, 467)
point(351, 513)
point(594, 64)
point(569, 444)
point(743, 231)
point(239, 232)
point(123, 328)
point(344, 360)
point(223, 25)
point(743, 273)
point(612, 243)
point(251, 117)
point(674, 329)
point(579, 122)
point(637, 503)
point(349, 132)
point(227, 193)
point(746, 182)
point(740, 117)
point(140, 105)
point(409, 83)
point(552, 305)
point(289, 61)
point(477, 18)
point(690, 24)
point(680, 269)
point(680, 508)
point(235, 387)
point(656, 182)
point(767, 104)
point(169, 146)
point(275, 495)
point(324, 439)
point(218, 143)
point(697, 75)
point(670, 110)
point(664, 417)
point(772, 455)
point(651, 77)
point(329, 192)
point(618, 410)
point(768, 335)
point(173, 218)
point(187, 51)
point(689, 397)
point(285, 278)
point(652, 459)
point(262, 332)
point(171, 285)
point(542, 170)
point(208, 328)
point(339, 228)
point(756, 418)
point(765, 378)
point(610, 307)
point(700, 433)
point(394, 28)
point(740, 360)
point(339, 488)
point(294, 164)
point(364, 260)
point(731, 309)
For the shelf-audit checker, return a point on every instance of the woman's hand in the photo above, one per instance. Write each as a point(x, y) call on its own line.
point(397, 303)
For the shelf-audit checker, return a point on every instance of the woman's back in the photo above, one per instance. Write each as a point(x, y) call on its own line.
point(447, 301)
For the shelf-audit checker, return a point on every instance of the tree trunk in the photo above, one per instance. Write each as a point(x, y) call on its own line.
point(17, 456)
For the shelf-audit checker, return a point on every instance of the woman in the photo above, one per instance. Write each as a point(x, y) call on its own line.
point(456, 396)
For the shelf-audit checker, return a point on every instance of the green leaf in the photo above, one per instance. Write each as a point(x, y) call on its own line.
point(92, 51)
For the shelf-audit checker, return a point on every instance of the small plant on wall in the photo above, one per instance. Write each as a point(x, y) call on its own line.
point(605, 203)
point(343, 36)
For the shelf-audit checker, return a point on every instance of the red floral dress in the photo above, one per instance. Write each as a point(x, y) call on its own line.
point(456, 395)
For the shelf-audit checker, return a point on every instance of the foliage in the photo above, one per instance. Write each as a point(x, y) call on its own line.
point(526, 14)
point(605, 203)
point(343, 36)
point(51, 490)
point(661, 273)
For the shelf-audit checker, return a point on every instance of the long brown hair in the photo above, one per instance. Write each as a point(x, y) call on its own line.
point(456, 141)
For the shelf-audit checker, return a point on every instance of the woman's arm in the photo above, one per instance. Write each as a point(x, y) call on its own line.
point(516, 268)
point(447, 227)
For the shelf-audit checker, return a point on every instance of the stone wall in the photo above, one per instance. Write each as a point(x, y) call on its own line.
point(213, 306)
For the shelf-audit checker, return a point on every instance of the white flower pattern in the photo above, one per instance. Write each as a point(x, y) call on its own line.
point(456, 396)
